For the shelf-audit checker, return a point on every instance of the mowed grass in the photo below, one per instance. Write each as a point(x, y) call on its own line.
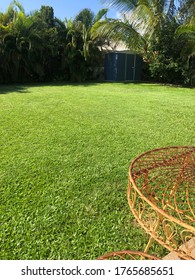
point(65, 151)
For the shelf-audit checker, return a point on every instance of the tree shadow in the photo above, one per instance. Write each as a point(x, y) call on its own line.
point(24, 88)
point(84, 84)
point(5, 89)
point(157, 84)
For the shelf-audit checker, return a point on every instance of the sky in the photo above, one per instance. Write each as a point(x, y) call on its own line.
point(62, 8)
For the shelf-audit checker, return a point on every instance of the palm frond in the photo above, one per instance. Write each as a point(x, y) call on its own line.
point(187, 33)
point(187, 29)
point(123, 6)
point(16, 4)
point(118, 31)
point(142, 19)
point(100, 15)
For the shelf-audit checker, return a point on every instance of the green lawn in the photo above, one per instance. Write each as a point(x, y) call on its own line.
point(65, 151)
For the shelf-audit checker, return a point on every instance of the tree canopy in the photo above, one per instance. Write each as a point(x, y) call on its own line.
point(40, 47)
point(161, 31)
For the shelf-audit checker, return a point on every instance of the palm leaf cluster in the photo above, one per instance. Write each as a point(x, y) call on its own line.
point(162, 31)
point(187, 31)
point(139, 18)
point(41, 47)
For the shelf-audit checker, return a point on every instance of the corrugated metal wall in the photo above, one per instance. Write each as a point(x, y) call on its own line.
point(120, 66)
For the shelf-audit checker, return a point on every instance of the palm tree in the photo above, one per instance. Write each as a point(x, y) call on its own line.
point(14, 26)
point(82, 49)
point(186, 33)
point(140, 22)
point(83, 24)
point(148, 27)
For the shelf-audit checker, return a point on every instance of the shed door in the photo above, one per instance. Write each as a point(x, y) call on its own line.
point(130, 67)
point(120, 59)
point(111, 67)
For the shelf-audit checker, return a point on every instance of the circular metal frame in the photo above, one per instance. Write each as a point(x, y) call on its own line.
point(127, 255)
point(161, 195)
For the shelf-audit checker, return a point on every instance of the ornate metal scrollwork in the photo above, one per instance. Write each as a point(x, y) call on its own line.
point(161, 195)
point(127, 255)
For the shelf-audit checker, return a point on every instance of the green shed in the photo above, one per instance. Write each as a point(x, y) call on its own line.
point(122, 66)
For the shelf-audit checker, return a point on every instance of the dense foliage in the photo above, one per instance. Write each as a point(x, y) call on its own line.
point(40, 47)
point(173, 48)
point(163, 32)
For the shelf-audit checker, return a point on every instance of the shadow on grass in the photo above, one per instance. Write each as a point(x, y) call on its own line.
point(5, 89)
point(157, 84)
point(24, 88)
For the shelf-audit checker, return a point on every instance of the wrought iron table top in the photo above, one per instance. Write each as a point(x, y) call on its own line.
point(161, 193)
point(127, 255)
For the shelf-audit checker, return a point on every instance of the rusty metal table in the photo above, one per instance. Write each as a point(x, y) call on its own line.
point(161, 195)
point(127, 255)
